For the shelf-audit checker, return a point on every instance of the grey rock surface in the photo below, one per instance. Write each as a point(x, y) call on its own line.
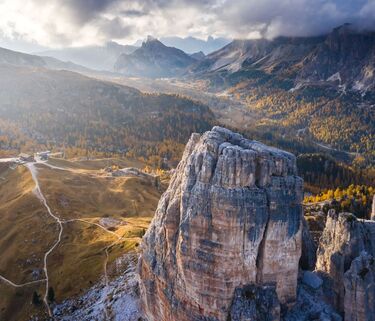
point(308, 256)
point(255, 303)
point(311, 305)
point(342, 241)
point(359, 282)
point(312, 280)
point(232, 216)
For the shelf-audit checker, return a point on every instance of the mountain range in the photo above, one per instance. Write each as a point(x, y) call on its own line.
point(154, 59)
point(21, 59)
point(343, 59)
point(93, 57)
point(41, 107)
point(318, 87)
point(191, 44)
point(299, 85)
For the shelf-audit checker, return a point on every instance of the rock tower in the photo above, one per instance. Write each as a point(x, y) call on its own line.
point(227, 230)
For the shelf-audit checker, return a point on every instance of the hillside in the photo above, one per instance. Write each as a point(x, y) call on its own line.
point(153, 59)
point(319, 87)
point(61, 109)
point(93, 57)
point(16, 58)
point(102, 218)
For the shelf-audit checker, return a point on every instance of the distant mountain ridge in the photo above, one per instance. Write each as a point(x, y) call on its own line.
point(345, 59)
point(154, 59)
point(321, 88)
point(40, 107)
point(93, 57)
point(191, 44)
point(16, 58)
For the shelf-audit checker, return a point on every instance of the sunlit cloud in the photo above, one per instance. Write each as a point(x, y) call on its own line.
point(58, 23)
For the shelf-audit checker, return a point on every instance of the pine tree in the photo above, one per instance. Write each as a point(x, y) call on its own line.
point(36, 298)
point(51, 294)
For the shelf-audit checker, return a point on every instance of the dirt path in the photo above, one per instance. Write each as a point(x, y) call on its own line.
point(19, 285)
point(38, 192)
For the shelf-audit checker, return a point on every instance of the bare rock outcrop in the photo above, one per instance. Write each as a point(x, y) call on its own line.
point(231, 218)
point(373, 209)
point(342, 241)
point(308, 256)
point(255, 303)
point(359, 282)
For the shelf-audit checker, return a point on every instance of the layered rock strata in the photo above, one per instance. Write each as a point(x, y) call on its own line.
point(359, 282)
point(230, 218)
point(343, 240)
point(308, 257)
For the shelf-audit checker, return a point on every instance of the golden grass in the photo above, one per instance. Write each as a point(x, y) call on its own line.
point(26, 229)
point(81, 195)
point(78, 262)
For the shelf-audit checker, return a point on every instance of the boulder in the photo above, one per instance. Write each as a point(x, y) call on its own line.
point(312, 280)
point(230, 218)
point(255, 303)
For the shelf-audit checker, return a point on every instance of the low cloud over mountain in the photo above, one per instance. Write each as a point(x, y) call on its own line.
point(81, 22)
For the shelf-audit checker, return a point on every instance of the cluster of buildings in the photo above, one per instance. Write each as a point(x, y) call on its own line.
point(43, 156)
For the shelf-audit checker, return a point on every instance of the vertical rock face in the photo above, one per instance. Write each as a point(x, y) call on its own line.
point(359, 282)
point(342, 241)
point(231, 217)
point(373, 209)
point(308, 257)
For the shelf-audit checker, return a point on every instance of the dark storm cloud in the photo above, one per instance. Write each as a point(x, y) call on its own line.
point(86, 10)
point(133, 13)
point(114, 28)
point(86, 21)
point(236, 17)
point(295, 17)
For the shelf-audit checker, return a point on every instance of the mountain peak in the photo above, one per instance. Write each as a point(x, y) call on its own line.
point(235, 181)
point(343, 29)
point(151, 39)
point(152, 42)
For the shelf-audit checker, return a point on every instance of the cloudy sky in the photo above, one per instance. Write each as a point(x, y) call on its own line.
point(34, 24)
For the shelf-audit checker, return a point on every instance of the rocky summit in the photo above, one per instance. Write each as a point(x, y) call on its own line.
point(227, 234)
point(345, 255)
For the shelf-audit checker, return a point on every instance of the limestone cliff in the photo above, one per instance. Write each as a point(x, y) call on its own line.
point(231, 218)
point(308, 257)
point(359, 282)
point(343, 240)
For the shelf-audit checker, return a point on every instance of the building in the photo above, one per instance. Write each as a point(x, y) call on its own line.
point(43, 155)
point(26, 157)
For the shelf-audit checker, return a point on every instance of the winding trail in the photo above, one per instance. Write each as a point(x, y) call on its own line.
point(38, 192)
point(105, 264)
point(19, 285)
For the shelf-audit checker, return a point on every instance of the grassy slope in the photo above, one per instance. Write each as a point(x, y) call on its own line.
point(77, 263)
